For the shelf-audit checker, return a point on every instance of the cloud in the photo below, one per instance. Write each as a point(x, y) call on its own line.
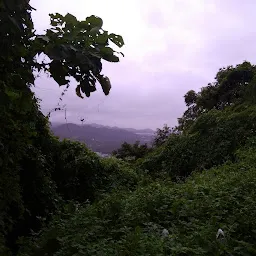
point(171, 47)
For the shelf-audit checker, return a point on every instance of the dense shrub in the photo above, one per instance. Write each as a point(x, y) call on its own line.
point(82, 175)
point(132, 152)
point(192, 212)
point(212, 139)
point(120, 176)
point(28, 194)
point(76, 172)
point(27, 149)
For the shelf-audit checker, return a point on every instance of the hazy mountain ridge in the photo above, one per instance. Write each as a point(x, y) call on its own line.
point(147, 130)
point(100, 138)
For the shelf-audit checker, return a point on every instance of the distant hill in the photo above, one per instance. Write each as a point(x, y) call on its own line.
point(149, 131)
point(99, 138)
point(140, 131)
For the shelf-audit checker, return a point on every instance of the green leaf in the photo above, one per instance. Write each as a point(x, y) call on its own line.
point(94, 21)
point(56, 16)
point(11, 94)
point(78, 92)
point(105, 84)
point(94, 30)
point(106, 51)
point(111, 58)
point(94, 53)
point(54, 23)
point(116, 39)
point(16, 23)
point(69, 18)
point(87, 86)
point(44, 38)
point(58, 72)
point(102, 38)
point(108, 54)
point(54, 52)
point(83, 25)
point(56, 19)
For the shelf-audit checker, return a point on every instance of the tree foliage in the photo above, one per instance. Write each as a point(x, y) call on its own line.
point(192, 184)
point(76, 49)
point(213, 139)
point(232, 85)
point(163, 134)
point(28, 151)
point(192, 212)
point(132, 151)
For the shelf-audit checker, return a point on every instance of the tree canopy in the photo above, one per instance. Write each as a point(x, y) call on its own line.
point(132, 151)
point(29, 154)
point(74, 48)
point(232, 85)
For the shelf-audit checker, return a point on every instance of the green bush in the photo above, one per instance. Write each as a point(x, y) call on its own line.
point(211, 141)
point(132, 152)
point(77, 170)
point(82, 175)
point(28, 195)
point(120, 175)
point(192, 212)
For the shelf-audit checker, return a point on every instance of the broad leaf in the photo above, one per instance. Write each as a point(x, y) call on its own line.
point(94, 21)
point(108, 54)
point(106, 51)
point(69, 18)
point(111, 58)
point(94, 30)
point(105, 84)
point(102, 38)
point(87, 87)
point(58, 72)
point(44, 38)
point(78, 92)
point(116, 39)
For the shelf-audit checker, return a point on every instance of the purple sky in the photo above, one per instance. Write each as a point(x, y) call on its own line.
point(171, 46)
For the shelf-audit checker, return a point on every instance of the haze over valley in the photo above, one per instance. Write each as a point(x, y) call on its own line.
point(100, 138)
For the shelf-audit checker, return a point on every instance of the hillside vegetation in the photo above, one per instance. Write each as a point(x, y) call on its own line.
point(193, 193)
point(131, 223)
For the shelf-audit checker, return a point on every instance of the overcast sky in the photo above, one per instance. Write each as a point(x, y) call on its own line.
point(171, 46)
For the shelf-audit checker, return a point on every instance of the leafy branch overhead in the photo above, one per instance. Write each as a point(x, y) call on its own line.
point(76, 49)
